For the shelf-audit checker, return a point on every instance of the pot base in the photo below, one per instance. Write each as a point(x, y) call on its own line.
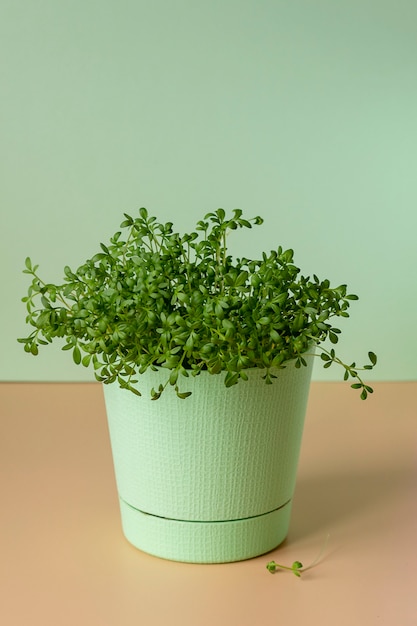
point(205, 542)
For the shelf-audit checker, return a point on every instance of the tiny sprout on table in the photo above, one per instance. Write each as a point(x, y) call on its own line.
point(296, 568)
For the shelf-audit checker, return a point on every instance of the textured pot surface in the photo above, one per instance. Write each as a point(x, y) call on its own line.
point(209, 478)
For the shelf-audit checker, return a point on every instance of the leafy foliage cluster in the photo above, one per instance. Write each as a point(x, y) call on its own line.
point(155, 298)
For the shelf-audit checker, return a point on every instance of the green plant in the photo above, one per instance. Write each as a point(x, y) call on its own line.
point(297, 568)
point(155, 298)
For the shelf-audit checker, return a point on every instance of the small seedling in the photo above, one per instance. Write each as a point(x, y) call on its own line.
point(297, 568)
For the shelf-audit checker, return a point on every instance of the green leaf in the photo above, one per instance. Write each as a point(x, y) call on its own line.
point(231, 379)
point(128, 221)
point(98, 257)
point(173, 377)
point(86, 360)
point(333, 337)
point(274, 335)
point(372, 357)
point(68, 273)
point(264, 321)
point(76, 355)
point(242, 278)
point(183, 395)
point(298, 322)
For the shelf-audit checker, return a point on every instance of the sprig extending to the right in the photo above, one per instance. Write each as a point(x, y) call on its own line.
point(351, 371)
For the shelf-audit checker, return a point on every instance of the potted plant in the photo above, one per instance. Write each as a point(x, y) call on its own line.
point(205, 361)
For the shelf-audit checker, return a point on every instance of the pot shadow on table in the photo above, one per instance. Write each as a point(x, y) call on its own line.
point(324, 501)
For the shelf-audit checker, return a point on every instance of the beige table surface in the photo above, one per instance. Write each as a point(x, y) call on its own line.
point(64, 560)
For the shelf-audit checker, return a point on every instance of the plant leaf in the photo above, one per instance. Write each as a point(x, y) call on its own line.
point(76, 355)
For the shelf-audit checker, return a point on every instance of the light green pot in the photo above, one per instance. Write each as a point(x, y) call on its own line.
point(208, 479)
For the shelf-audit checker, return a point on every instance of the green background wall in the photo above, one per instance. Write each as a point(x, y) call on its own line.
point(304, 112)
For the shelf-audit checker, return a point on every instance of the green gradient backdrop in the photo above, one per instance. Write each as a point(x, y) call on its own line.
point(304, 112)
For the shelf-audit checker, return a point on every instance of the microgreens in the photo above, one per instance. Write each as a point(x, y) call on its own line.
point(155, 298)
point(297, 568)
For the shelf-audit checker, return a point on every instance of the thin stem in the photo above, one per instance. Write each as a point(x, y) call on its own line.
point(319, 556)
